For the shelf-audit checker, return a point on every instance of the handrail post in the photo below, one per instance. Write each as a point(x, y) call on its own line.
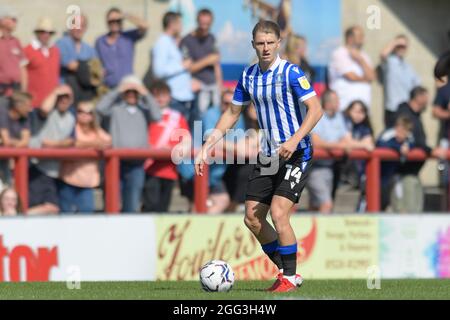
point(112, 184)
point(373, 183)
point(21, 180)
point(201, 190)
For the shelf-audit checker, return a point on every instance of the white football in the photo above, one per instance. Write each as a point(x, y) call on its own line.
point(216, 276)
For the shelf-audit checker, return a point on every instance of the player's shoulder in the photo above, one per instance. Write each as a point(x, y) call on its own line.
point(249, 69)
point(293, 70)
point(297, 76)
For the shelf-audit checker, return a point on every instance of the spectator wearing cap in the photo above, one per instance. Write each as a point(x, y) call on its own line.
point(14, 127)
point(200, 46)
point(43, 62)
point(168, 64)
point(116, 48)
point(129, 109)
point(399, 77)
point(80, 177)
point(13, 75)
point(76, 58)
point(351, 71)
point(52, 126)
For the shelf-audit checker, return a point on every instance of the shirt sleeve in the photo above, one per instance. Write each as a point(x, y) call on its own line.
point(440, 99)
point(300, 84)
point(134, 34)
point(342, 62)
point(162, 65)
point(67, 55)
point(241, 96)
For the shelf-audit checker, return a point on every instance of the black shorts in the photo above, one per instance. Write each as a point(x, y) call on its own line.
point(278, 177)
point(41, 188)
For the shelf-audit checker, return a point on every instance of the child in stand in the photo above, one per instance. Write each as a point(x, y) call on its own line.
point(162, 175)
point(400, 139)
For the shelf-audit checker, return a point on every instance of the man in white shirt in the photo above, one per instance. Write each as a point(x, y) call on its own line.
point(350, 70)
point(168, 64)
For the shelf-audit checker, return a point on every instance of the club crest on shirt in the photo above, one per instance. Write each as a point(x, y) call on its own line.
point(279, 78)
point(304, 83)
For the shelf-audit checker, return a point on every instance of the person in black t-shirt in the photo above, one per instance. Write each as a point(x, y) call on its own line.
point(14, 127)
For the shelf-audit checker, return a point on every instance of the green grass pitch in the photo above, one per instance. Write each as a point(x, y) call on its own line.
point(243, 290)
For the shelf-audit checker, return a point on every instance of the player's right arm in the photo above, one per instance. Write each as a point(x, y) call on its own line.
point(227, 121)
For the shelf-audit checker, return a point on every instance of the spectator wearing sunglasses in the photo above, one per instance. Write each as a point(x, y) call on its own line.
point(116, 48)
point(127, 111)
point(80, 177)
point(43, 62)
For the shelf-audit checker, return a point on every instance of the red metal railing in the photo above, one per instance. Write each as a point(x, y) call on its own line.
point(112, 158)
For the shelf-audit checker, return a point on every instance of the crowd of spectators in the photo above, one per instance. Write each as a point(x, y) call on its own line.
point(65, 92)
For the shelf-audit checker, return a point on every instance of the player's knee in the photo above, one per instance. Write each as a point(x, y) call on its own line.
point(280, 218)
point(252, 222)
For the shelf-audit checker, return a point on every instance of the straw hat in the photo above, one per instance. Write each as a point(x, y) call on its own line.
point(131, 80)
point(45, 24)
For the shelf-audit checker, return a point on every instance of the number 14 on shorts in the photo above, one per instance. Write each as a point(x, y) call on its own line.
point(295, 173)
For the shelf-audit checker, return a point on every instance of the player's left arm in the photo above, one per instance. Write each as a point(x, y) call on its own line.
point(303, 91)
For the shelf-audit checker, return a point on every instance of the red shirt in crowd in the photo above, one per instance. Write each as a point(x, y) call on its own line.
point(159, 136)
point(43, 70)
point(12, 57)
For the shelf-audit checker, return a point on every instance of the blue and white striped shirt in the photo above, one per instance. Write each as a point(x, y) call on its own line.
point(278, 95)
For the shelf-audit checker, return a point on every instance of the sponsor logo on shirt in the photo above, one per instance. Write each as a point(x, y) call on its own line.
point(304, 83)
